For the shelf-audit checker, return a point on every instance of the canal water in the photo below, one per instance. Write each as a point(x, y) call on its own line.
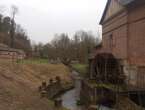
point(70, 98)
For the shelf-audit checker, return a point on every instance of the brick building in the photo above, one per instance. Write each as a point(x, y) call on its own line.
point(9, 53)
point(123, 36)
point(123, 24)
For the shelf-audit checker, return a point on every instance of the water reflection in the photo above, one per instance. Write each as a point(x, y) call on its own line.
point(69, 100)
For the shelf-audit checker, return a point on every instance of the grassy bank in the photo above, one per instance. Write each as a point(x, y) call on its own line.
point(80, 68)
point(19, 84)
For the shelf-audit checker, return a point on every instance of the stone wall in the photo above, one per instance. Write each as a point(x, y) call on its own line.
point(51, 89)
point(135, 76)
point(11, 55)
point(93, 95)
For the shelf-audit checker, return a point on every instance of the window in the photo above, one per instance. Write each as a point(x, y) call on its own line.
point(111, 41)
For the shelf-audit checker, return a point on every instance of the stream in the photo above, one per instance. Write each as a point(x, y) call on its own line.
point(69, 99)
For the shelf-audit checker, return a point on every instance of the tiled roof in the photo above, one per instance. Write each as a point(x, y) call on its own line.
point(122, 2)
point(125, 2)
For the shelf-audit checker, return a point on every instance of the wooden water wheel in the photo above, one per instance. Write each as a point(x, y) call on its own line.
point(107, 69)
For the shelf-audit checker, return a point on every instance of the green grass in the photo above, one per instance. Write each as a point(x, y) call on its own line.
point(33, 61)
point(80, 68)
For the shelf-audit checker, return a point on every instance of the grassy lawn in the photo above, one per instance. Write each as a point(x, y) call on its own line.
point(81, 68)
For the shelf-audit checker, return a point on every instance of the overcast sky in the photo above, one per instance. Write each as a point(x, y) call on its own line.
point(43, 18)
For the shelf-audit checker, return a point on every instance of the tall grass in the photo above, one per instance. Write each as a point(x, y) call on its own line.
point(33, 61)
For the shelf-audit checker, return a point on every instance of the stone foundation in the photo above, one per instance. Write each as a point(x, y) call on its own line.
point(135, 76)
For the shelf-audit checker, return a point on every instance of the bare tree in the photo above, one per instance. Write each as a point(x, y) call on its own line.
point(14, 11)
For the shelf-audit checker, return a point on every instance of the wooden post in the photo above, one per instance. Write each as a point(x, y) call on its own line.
point(58, 102)
point(43, 89)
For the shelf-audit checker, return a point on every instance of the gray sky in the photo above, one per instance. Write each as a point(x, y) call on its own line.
point(43, 18)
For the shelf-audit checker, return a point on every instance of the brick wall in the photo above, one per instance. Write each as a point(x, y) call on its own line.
point(137, 36)
point(124, 36)
point(115, 36)
point(128, 36)
point(8, 55)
